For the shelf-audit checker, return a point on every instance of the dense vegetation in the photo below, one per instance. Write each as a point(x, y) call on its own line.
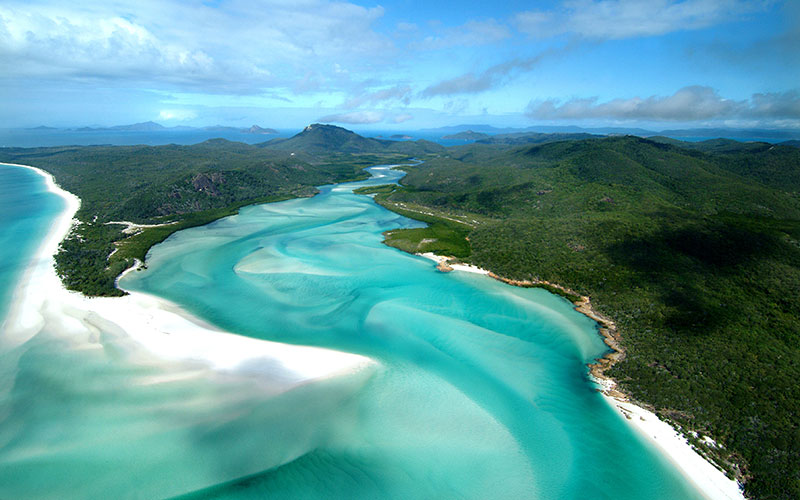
point(177, 187)
point(532, 138)
point(326, 139)
point(694, 250)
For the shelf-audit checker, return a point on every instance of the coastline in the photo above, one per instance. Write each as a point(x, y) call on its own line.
point(151, 329)
point(167, 333)
point(704, 475)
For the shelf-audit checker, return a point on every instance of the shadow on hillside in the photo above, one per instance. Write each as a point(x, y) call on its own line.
point(689, 265)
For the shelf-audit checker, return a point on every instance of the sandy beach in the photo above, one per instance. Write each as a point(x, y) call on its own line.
point(443, 265)
point(712, 482)
point(704, 475)
point(154, 330)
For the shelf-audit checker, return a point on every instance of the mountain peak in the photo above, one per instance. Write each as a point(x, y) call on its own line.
point(324, 127)
point(255, 129)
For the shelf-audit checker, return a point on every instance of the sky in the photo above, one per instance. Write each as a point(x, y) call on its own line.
point(401, 65)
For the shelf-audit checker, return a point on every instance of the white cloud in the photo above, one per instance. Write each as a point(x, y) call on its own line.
point(687, 104)
point(469, 34)
point(776, 105)
point(405, 27)
point(401, 93)
point(402, 118)
point(177, 115)
point(37, 44)
point(616, 19)
point(537, 23)
point(354, 118)
point(243, 47)
point(470, 83)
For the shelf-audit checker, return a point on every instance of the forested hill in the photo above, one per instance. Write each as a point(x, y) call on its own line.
point(326, 139)
point(532, 138)
point(181, 186)
point(772, 164)
point(693, 249)
point(145, 183)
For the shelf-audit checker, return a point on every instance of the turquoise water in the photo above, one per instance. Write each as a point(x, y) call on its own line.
point(26, 210)
point(481, 389)
point(482, 393)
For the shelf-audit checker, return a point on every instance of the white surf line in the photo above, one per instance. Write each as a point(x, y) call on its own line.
point(160, 328)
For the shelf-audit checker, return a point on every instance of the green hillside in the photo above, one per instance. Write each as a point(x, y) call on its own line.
point(692, 248)
point(766, 163)
point(180, 186)
point(696, 258)
point(532, 138)
point(327, 139)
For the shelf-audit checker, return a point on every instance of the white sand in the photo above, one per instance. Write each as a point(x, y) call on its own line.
point(166, 332)
point(701, 473)
point(467, 268)
point(169, 333)
point(133, 228)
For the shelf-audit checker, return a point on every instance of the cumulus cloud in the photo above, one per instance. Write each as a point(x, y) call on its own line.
point(242, 48)
point(616, 19)
point(775, 105)
point(470, 83)
point(354, 118)
point(687, 104)
point(42, 45)
point(401, 118)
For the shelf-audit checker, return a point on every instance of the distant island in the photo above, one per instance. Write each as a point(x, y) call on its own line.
point(467, 135)
point(151, 126)
point(472, 132)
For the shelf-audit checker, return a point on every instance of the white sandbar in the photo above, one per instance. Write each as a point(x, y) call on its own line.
point(467, 268)
point(162, 328)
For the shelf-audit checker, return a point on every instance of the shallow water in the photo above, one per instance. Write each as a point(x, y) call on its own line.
point(26, 210)
point(481, 389)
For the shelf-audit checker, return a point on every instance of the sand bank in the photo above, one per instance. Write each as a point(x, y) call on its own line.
point(153, 329)
point(444, 264)
point(133, 228)
point(700, 472)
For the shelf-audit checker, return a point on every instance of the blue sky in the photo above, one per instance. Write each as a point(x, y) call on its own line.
point(401, 65)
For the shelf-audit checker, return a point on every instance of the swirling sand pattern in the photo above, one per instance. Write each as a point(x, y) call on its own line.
point(477, 389)
point(482, 391)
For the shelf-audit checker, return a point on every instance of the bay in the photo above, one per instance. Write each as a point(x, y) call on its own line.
point(482, 390)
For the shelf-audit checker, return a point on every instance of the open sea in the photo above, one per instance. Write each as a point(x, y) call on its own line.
point(38, 137)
